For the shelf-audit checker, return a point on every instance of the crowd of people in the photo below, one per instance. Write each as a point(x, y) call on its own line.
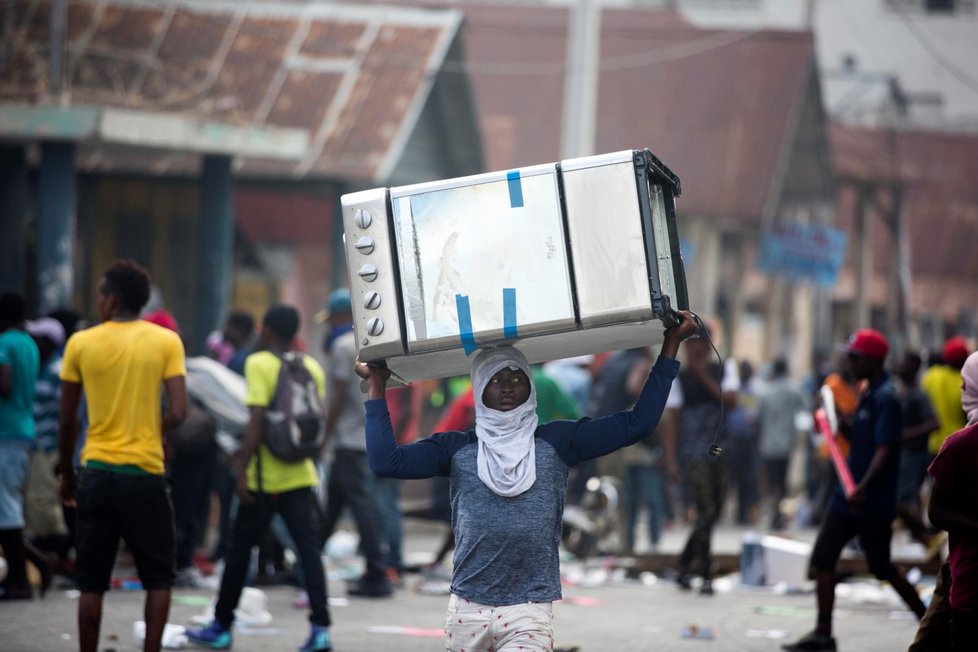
point(100, 444)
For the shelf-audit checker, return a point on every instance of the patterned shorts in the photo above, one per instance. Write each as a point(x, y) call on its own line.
point(474, 627)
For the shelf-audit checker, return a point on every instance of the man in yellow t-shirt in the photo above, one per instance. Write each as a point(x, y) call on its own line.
point(121, 365)
point(286, 488)
point(942, 384)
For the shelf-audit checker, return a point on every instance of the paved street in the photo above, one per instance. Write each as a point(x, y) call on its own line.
point(612, 615)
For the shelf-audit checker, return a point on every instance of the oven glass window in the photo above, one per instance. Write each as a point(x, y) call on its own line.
point(483, 262)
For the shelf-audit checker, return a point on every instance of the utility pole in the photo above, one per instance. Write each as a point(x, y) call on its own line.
point(899, 304)
point(581, 79)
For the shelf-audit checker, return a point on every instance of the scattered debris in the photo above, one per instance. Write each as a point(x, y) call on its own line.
point(433, 587)
point(251, 612)
point(697, 632)
point(406, 631)
point(769, 560)
point(174, 636)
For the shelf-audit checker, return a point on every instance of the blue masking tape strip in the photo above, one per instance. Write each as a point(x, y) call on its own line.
point(465, 324)
point(509, 313)
point(515, 189)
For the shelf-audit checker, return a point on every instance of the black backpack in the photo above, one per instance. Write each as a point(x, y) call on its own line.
point(295, 425)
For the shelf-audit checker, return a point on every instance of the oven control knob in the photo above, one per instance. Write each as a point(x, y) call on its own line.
point(368, 273)
point(371, 300)
point(365, 245)
point(362, 218)
point(375, 326)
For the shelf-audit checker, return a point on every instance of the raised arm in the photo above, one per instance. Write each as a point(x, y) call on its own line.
point(592, 438)
point(422, 459)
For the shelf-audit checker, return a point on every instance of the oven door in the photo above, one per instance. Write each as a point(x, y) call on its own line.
point(482, 259)
point(623, 239)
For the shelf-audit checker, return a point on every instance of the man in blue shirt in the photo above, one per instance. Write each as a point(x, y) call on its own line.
point(19, 362)
point(874, 459)
point(507, 489)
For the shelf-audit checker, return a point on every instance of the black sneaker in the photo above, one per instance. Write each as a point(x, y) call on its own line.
point(811, 641)
point(684, 581)
point(370, 588)
point(706, 588)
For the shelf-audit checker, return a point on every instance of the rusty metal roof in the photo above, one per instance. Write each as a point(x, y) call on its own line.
point(354, 76)
point(718, 107)
point(937, 171)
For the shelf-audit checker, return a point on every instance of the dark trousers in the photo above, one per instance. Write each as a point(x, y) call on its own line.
point(707, 486)
point(191, 475)
point(964, 630)
point(223, 485)
point(349, 486)
point(643, 487)
point(744, 462)
point(298, 510)
point(934, 630)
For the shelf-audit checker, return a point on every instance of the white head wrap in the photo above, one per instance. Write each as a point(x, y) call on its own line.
point(969, 387)
point(507, 447)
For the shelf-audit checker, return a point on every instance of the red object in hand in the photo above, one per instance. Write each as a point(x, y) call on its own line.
point(838, 461)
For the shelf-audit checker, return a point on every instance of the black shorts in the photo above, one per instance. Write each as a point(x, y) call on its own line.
point(836, 531)
point(135, 508)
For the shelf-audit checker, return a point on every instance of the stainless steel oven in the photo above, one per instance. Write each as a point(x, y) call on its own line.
point(562, 259)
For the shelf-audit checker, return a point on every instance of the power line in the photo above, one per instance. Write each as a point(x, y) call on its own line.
point(962, 76)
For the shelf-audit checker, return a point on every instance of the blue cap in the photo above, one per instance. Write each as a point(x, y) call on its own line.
point(339, 301)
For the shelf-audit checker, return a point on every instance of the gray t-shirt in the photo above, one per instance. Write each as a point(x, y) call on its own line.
point(776, 410)
point(349, 427)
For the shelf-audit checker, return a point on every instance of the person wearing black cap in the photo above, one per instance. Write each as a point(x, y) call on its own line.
point(874, 459)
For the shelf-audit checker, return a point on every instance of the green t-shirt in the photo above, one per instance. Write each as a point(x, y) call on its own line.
point(261, 377)
point(18, 351)
point(552, 401)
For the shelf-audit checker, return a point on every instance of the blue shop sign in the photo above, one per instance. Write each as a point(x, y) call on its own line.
point(803, 252)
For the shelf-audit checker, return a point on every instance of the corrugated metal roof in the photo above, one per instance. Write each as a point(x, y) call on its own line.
point(354, 76)
point(938, 172)
point(717, 106)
